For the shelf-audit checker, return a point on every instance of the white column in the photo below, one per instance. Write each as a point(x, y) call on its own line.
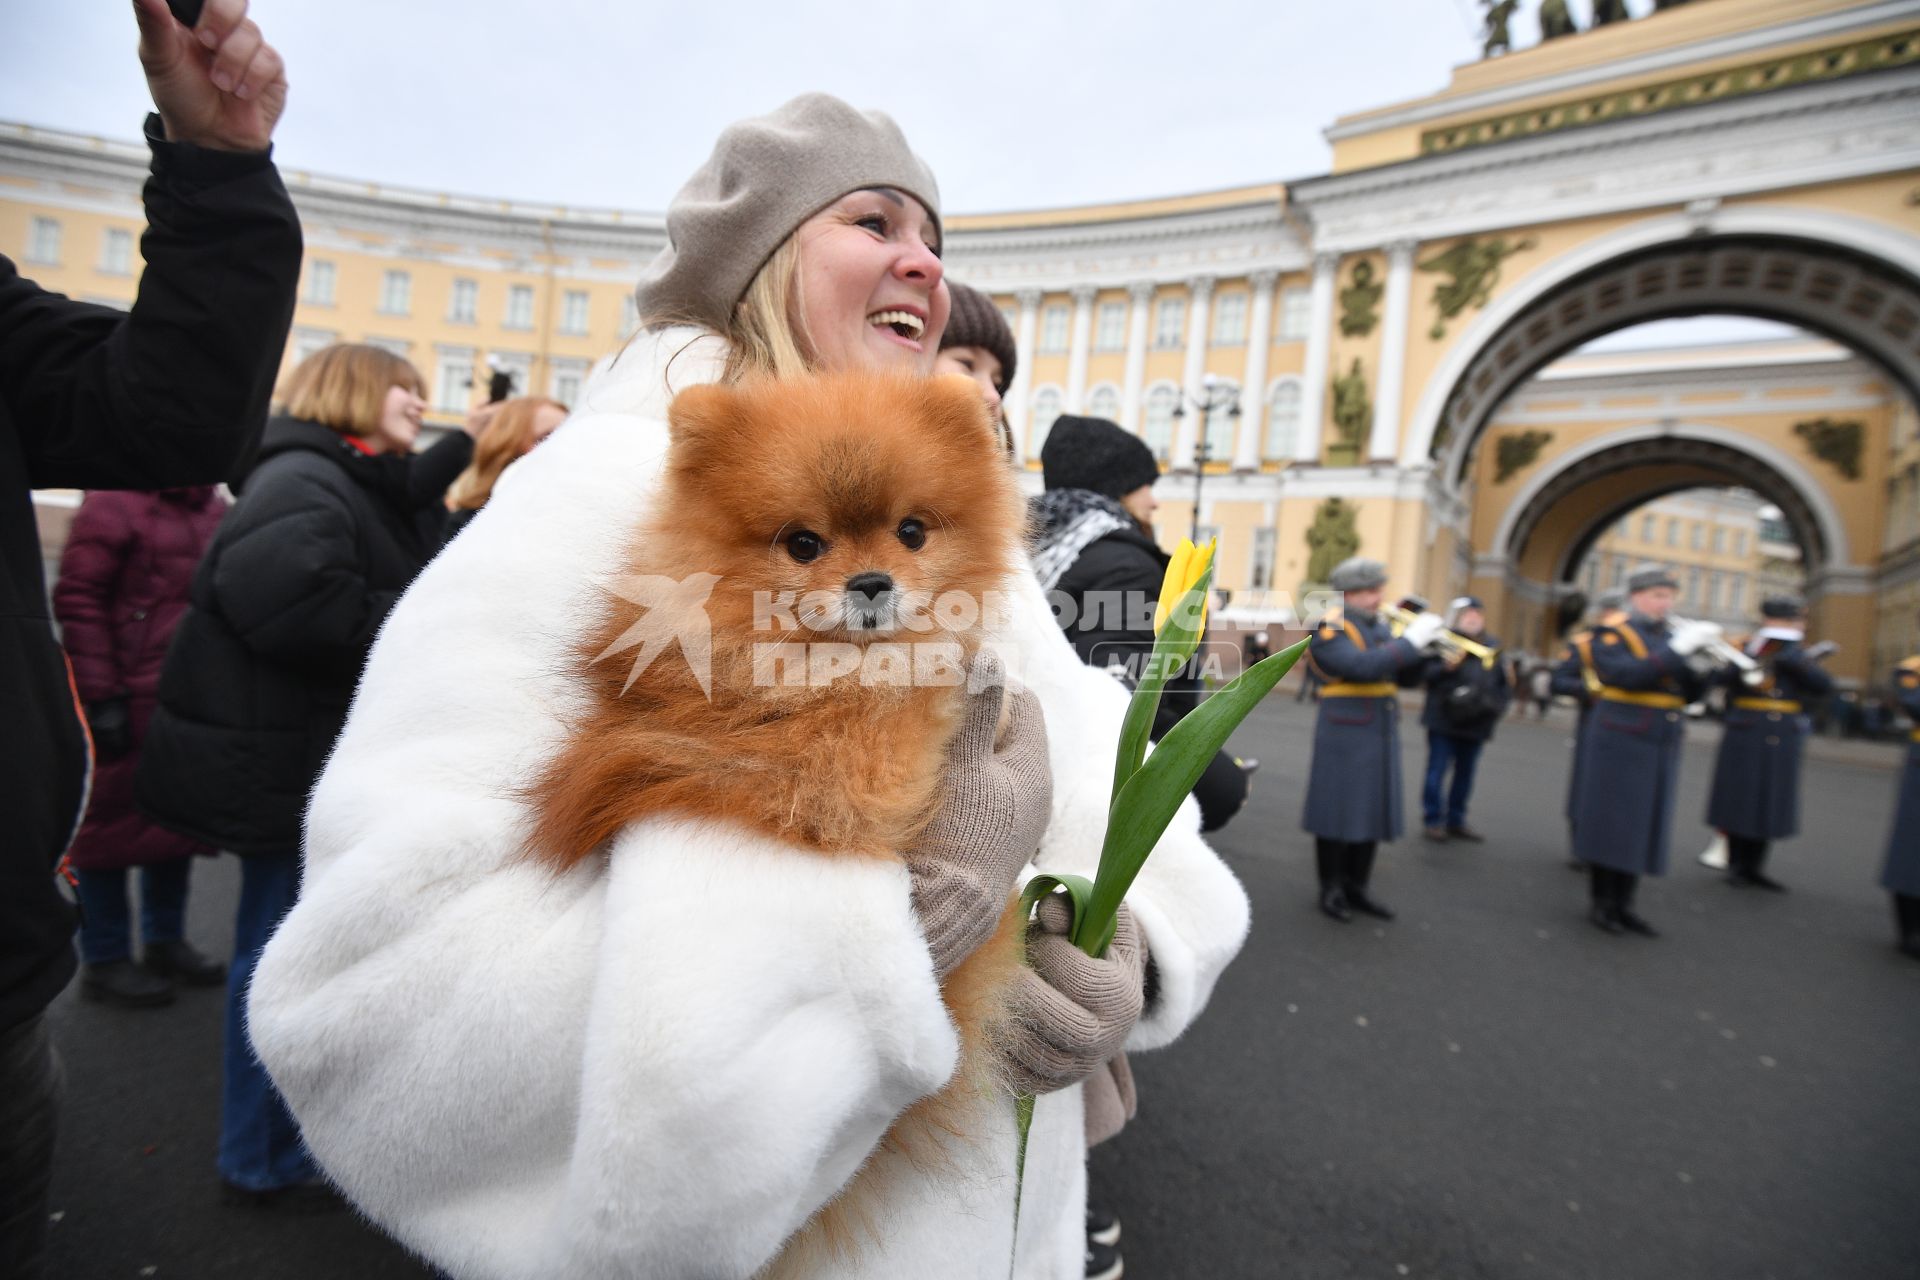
point(1081, 345)
point(1385, 442)
point(1314, 375)
point(1253, 388)
point(1020, 393)
point(1200, 294)
point(1142, 294)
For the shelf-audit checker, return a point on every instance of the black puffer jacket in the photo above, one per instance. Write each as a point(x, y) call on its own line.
point(172, 393)
point(1466, 701)
point(286, 604)
point(1108, 584)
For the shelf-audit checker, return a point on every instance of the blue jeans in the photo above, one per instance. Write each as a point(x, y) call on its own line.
point(106, 923)
point(1461, 754)
point(260, 1147)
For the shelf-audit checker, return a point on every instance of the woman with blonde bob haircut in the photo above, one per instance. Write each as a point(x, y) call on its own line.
point(332, 523)
point(675, 1058)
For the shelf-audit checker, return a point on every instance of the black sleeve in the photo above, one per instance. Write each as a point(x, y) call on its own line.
point(430, 473)
point(174, 392)
point(1115, 584)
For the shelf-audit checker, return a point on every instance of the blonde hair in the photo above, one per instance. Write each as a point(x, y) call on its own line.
point(345, 386)
point(766, 338)
point(507, 437)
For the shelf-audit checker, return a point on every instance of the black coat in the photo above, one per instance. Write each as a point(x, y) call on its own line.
point(1490, 688)
point(172, 393)
point(286, 604)
point(1113, 587)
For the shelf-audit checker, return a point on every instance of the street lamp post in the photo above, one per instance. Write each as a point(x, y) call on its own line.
point(1214, 395)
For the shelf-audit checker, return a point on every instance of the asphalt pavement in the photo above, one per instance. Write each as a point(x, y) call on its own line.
point(1486, 1087)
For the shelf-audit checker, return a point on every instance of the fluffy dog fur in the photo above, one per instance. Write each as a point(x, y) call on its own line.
point(863, 465)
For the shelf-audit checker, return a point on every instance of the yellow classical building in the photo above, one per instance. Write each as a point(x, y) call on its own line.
point(1373, 340)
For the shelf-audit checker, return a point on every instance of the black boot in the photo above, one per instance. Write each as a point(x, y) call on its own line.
point(124, 983)
point(1625, 884)
point(1745, 857)
point(1359, 870)
point(184, 963)
point(1604, 911)
point(1906, 914)
point(1328, 856)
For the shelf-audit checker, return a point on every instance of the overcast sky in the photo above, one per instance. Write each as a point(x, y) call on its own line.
point(1016, 103)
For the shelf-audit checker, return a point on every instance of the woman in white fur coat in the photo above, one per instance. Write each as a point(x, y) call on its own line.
point(664, 1063)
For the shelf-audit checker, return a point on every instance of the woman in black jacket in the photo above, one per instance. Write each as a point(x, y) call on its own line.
point(331, 525)
point(1465, 700)
point(1097, 558)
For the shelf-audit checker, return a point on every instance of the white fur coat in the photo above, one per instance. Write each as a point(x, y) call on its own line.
point(659, 1065)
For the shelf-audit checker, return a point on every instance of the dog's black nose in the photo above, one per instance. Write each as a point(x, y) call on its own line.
point(870, 585)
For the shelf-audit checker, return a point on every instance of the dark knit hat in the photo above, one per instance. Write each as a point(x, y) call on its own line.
point(1649, 576)
point(1782, 607)
point(766, 176)
point(1094, 454)
point(976, 322)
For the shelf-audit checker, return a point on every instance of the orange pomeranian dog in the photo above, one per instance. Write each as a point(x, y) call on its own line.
point(852, 530)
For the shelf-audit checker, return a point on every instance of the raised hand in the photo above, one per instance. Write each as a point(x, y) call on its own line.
point(217, 85)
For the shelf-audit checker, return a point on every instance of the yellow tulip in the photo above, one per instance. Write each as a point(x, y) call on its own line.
point(1188, 565)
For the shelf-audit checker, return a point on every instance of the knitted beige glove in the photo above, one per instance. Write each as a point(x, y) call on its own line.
point(967, 862)
point(1071, 1012)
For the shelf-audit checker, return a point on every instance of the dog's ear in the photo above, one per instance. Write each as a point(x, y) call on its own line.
point(701, 418)
point(953, 408)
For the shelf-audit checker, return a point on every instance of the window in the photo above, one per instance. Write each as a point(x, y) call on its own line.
point(1715, 584)
point(463, 305)
point(1046, 407)
point(396, 293)
point(455, 386)
point(1719, 540)
point(392, 346)
point(308, 342)
point(1296, 314)
point(629, 316)
point(1591, 576)
point(1737, 593)
point(573, 311)
point(1230, 320)
point(1283, 420)
point(1220, 427)
point(1053, 328)
point(1260, 573)
point(1740, 542)
point(1110, 334)
point(1692, 597)
point(116, 252)
point(1159, 425)
point(519, 307)
point(1646, 528)
point(1697, 536)
point(1619, 578)
point(569, 376)
point(1170, 323)
point(320, 280)
point(1673, 533)
point(43, 242)
point(1104, 402)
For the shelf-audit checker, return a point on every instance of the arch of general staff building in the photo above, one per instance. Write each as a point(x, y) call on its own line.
point(1392, 329)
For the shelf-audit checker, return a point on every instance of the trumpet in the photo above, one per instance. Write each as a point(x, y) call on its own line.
point(1448, 642)
point(1721, 652)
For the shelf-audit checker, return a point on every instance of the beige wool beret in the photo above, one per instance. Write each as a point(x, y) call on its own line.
point(766, 176)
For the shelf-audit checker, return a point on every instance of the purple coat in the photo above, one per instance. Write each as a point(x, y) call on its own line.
point(123, 586)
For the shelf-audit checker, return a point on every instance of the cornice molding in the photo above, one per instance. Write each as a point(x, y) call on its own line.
point(1794, 137)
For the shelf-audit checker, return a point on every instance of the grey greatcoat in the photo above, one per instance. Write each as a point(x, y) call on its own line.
point(1902, 872)
point(1573, 678)
point(1623, 815)
point(1756, 777)
point(1353, 788)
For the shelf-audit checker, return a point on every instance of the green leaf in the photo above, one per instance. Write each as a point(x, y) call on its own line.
point(1172, 646)
point(1079, 892)
point(1151, 796)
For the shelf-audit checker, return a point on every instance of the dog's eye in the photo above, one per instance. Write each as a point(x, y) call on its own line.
point(806, 546)
point(912, 534)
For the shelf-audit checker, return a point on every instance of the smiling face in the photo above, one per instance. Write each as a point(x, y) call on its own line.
point(871, 291)
point(399, 424)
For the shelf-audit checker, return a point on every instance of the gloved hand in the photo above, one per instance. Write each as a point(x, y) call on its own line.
point(1690, 637)
point(110, 721)
point(1421, 631)
point(1070, 1012)
point(967, 862)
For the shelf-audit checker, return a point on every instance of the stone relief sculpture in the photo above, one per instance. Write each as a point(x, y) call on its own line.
point(1472, 268)
point(1352, 410)
point(1331, 539)
point(1359, 302)
point(1835, 443)
point(1516, 451)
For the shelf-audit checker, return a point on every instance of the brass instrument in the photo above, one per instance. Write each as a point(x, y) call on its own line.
point(1447, 642)
point(1722, 652)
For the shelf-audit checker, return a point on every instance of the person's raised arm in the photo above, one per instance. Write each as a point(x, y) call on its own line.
point(175, 391)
